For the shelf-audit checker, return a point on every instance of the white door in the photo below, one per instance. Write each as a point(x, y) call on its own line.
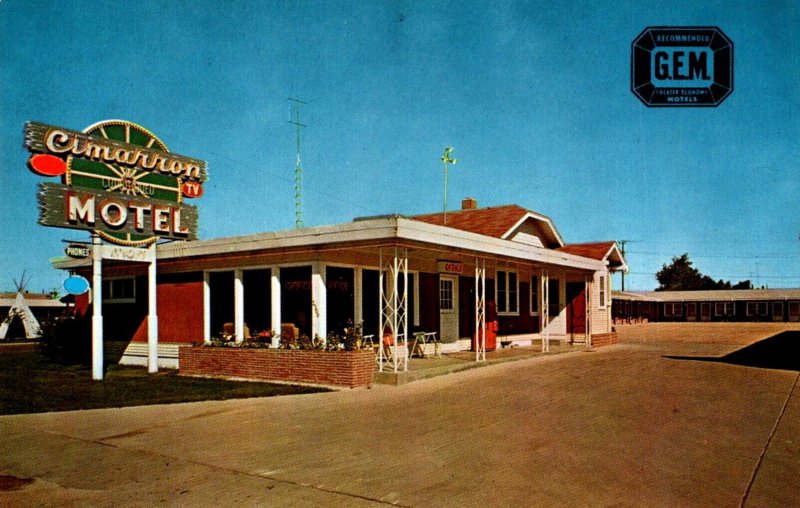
point(448, 308)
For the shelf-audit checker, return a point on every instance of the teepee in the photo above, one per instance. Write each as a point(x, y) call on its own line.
point(21, 310)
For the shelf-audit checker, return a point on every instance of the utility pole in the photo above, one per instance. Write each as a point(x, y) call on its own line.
point(622, 251)
point(298, 168)
point(447, 160)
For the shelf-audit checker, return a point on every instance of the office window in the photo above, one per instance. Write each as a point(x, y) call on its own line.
point(507, 292)
point(446, 295)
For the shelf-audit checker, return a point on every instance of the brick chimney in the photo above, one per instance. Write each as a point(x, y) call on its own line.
point(469, 204)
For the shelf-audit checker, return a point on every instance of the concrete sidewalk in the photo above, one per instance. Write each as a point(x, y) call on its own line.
point(449, 363)
point(622, 426)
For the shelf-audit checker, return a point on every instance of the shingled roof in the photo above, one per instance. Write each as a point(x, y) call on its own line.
point(505, 222)
point(597, 250)
point(493, 221)
point(594, 250)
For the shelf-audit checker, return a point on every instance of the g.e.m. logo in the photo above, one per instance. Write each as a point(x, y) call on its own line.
point(682, 66)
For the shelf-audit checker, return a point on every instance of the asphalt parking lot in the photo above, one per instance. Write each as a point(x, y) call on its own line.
point(674, 415)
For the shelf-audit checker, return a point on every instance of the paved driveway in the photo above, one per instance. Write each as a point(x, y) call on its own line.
point(637, 424)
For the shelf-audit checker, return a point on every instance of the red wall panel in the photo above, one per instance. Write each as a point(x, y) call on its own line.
point(180, 312)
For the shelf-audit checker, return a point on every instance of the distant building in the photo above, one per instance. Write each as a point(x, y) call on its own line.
point(765, 305)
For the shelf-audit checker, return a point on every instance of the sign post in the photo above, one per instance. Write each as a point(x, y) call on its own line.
point(152, 317)
point(97, 308)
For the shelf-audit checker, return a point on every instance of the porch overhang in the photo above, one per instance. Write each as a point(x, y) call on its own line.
point(376, 233)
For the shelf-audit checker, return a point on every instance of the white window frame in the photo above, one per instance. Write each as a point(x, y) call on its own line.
point(534, 295)
point(444, 281)
point(669, 309)
point(108, 293)
point(603, 296)
point(506, 298)
point(759, 305)
point(728, 309)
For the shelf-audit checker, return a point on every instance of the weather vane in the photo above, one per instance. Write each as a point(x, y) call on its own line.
point(447, 160)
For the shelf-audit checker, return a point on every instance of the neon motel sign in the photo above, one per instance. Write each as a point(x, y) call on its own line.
point(117, 179)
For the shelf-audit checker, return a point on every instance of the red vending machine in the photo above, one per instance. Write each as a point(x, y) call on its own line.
point(491, 328)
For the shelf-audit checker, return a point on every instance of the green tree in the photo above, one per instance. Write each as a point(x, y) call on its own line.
point(680, 275)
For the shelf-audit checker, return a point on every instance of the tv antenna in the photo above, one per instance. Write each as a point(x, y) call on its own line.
point(298, 168)
point(446, 159)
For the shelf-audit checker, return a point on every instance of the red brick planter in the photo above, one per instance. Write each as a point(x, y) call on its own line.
point(338, 368)
point(604, 339)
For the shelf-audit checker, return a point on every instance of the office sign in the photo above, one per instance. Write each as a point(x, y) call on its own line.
point(452, 267)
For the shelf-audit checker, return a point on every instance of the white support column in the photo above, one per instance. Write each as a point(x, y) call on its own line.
point(545, 311)
point(319, 302)
point(358, 309)
point(152, 314)
point(588, 293)
point(206, 307)
point(238, 305)
point(275, 303)
point(480, 310)
point(97, 308)
point(416, 300)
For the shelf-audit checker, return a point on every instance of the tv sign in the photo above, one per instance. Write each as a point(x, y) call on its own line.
point(682, 66)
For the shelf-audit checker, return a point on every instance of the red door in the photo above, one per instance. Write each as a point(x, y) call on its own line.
point(576, 307)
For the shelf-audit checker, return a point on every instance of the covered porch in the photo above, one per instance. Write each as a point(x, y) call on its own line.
point(393, 290)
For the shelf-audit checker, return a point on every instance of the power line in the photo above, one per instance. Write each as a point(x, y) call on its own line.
point(775, 255)
point(784, 277)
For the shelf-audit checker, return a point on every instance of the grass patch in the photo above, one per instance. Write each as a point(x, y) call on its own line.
point(29, 383)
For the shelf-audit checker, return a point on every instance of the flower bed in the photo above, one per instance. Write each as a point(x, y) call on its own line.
point(338, 368)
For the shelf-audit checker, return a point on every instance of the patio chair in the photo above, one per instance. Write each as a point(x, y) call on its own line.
point(289, 330)
point(229, 332)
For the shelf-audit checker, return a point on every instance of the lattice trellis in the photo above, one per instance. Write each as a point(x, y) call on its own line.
point(480, 309)
point(393, 318)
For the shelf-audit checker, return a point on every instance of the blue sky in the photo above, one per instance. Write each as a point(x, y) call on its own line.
point(534, 96)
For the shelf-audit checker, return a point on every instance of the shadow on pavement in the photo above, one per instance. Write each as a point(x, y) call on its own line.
point(780, 351)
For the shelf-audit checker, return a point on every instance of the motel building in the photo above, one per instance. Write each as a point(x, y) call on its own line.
point(502, 268)
point(739, 305)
